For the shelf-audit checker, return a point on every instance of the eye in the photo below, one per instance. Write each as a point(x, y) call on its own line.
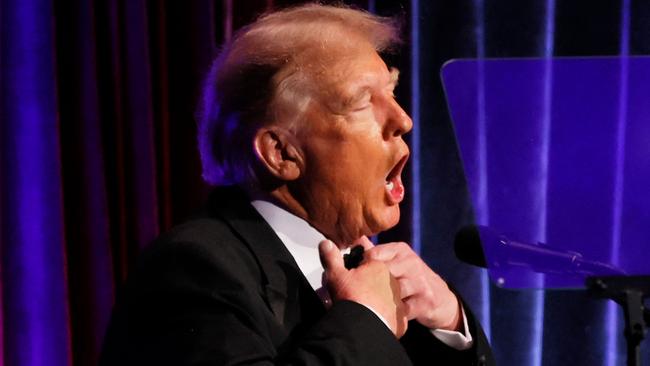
point(362, 104)
point(361, 108)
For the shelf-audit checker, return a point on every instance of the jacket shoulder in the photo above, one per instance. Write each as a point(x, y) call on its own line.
point(204, 251)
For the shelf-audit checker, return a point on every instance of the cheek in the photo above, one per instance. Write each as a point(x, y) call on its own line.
point(362, 171)
point(365, 123)
point(351, 182)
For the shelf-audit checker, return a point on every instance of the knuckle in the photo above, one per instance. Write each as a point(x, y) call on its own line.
point(371, 254)
point(428, 293)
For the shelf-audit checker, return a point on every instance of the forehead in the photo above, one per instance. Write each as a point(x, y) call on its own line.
point(349, 71)
point(362, 65)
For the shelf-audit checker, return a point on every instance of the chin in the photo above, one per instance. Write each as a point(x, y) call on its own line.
point(388, 220)
point(394, 218)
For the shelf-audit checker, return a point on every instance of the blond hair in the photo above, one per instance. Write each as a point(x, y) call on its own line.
point(261, 76)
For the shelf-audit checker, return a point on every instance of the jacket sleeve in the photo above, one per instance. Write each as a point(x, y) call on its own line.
point(425, 349)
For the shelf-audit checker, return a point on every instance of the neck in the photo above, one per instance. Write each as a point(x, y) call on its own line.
point(279, 196)
point(282, 196)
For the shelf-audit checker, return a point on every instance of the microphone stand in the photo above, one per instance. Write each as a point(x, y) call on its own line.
point(629, 292)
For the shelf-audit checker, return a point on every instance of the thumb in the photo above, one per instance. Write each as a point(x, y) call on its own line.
point(330, 256)
point(366, 243)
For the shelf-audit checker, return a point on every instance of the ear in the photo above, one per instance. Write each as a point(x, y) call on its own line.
point(276, 149)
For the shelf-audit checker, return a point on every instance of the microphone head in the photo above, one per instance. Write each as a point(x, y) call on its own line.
point(468, 247)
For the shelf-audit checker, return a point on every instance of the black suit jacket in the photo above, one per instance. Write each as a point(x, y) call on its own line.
point(222, 289)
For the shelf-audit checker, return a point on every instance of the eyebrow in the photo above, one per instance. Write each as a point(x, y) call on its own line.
point(394, 77)
point(362, 92)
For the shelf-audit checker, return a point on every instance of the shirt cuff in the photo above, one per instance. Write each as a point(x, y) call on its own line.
point(456, 340)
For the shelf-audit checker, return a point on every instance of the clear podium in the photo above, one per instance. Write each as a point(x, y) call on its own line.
point(556, 153)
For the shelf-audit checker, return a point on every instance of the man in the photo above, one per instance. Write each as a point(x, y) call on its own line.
point(299, 116)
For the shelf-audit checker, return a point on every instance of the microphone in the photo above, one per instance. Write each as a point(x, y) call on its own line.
point(467, 246)
point(505, 252)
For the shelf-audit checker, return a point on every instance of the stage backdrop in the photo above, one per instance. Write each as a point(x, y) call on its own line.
point(97, 156)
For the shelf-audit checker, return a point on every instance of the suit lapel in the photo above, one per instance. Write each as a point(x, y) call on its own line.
point(287, 291)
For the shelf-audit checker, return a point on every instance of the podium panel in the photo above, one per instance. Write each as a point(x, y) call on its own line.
point(556, 153)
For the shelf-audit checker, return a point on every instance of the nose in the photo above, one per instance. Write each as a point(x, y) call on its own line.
point(398, 122)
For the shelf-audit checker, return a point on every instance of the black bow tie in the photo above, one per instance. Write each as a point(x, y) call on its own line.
point(354, 258)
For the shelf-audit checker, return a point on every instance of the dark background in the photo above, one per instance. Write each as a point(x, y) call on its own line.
point(98, 155)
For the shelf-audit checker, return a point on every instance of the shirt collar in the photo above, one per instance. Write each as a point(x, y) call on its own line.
point(300, 238)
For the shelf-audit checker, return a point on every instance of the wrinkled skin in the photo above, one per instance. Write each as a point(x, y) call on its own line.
point(334, 170)
point(370, 284)
point(426, 296)
point(350, 148)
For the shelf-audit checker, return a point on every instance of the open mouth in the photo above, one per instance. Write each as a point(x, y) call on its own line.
point(394, 186)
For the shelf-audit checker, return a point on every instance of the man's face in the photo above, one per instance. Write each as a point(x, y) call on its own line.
point(351, 138)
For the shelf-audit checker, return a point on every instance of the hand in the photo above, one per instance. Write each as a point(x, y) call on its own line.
point(427, 297)
point(370, 284)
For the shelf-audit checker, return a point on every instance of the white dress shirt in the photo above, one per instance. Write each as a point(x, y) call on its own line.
point(301, 239)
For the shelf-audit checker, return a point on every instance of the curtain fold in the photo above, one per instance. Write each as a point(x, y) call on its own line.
point(35, 293)
point(87, 222)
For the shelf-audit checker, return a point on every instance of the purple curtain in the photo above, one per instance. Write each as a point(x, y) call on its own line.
point(98, 155)
point(97, 139)
point(35, 311)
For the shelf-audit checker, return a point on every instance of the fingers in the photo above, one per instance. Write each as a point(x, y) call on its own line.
point(330, 257)
point(401, 262)
point(447, 315)
point(407, 287)
point(366, 243)
point(426, 296)
point(389, 251)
